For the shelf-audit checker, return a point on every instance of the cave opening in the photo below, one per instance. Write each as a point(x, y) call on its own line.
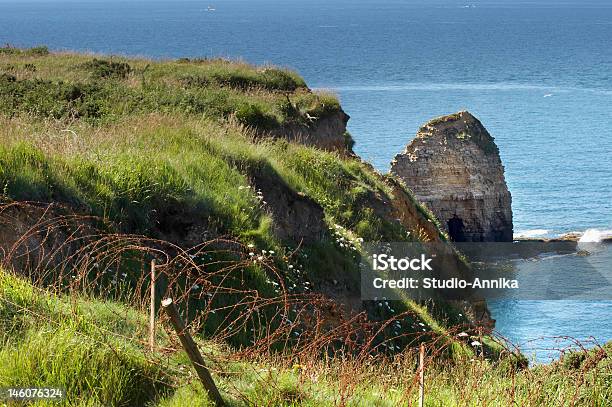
point(455, 229)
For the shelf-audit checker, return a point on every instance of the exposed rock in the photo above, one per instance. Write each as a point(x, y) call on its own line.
point(406, 210)
point(453, 166)
point(327, 133)
point(296, 216)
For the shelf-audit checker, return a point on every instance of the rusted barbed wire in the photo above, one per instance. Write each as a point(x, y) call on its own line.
point(73, 254)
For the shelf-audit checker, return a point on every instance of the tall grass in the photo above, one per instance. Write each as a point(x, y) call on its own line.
point(48, 342)
point(96, 351)
point(135, 170)
point(97, 89)
point(143, 171)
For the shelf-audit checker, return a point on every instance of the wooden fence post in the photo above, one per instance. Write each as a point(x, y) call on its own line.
point(192, 351)
point(422, 375)
point(152, 310)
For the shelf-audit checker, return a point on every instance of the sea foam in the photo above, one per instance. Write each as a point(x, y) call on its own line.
point(594, 235)
point(531, 233)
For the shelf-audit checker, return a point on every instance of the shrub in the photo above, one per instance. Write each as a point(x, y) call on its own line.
point(349, 142)
point(277, 79)
point(36, 51)
point(49, 99)
point(100, 68)
point(573, 360)
point(271, 79)
point(512, 363)
point(251, 115)
point(196, 81)
point(8, 50)
point(325, 105)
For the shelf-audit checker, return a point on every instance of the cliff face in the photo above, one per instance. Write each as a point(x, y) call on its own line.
point(327, 133)
point(296, 216)
point(453, 166)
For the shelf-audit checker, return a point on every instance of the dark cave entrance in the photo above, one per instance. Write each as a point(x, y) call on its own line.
point(455, 229)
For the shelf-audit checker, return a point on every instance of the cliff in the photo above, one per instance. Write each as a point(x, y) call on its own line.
point(327, 132)
point(192, 151)
point(454, 167)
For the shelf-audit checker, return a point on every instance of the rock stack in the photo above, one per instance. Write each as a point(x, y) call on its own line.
point(453, 167)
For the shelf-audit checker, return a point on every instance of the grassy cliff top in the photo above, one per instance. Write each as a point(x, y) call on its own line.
point(125, 138)
point(105, 88)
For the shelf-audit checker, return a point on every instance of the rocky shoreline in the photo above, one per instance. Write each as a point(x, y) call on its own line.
point(568, 237)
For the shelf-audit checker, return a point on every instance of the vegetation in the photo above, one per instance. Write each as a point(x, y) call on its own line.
point(142, 158)
point(68, 86)
point(148, 146)
point(95, 350)
point(156, 148)
point(36, 51)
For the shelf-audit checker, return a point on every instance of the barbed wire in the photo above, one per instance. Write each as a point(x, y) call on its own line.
point(220, 286)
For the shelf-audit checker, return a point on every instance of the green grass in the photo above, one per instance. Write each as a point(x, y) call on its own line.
point(159, 143)
point(103, 89)
point(96, 351)
point(137, 171)
point(46, 341)
point(201, 168)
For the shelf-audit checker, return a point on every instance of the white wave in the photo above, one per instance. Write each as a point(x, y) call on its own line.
point(530, 233)
point(594, 235)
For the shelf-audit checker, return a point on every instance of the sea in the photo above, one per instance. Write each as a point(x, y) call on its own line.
point(537, 73)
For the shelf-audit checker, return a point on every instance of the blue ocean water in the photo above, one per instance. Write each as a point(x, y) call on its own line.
point(537, 73)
